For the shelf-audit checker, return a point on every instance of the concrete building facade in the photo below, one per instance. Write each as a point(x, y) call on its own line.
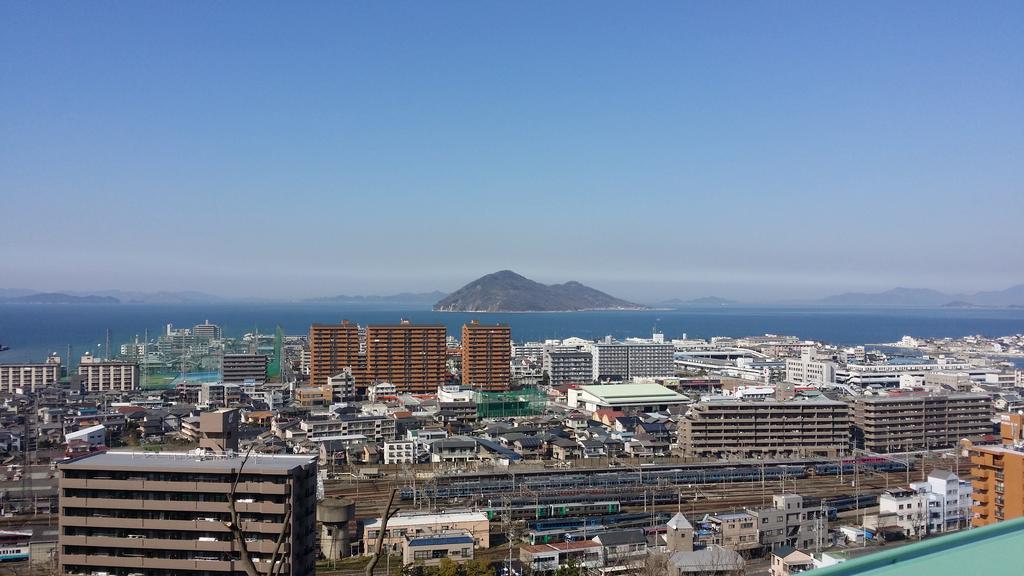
point(127, 513)
point(568, 367)
point(765, 429)
point(239, 368)
point(914, 421)
point(29, 377)
point(108, 375)
point(625, 361)
point(402, 526)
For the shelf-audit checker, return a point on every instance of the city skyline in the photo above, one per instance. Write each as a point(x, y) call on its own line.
point(666, 151)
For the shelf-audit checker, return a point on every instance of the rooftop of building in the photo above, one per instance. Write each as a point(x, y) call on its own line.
point(441, 539)
point(770, 402)
point(560, 546)
point(679, 522)
point(731, 516)
point(1000, 449)
point(986, 550)
point(630, 391)
point(429, 519)
point(188, 462)
point(920, 395)
point(85, 431)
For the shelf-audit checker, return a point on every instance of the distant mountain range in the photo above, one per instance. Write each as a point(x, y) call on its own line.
point(60, 298)
point(705, 301)
point(427, 298)
point(1013, 296)
point(17, 295)
point(506, 291)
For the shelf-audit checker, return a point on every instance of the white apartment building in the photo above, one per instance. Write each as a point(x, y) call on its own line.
point(399, 452)
point(530, 351)
point(95, 436)
point(949, 501)
point(568, 367)
point(942, 503)
point(381, 389)
point(625, 361)
point(273, 398)
point(376, 428)
point(809, 370)
point(888, 375)
point(906, 509)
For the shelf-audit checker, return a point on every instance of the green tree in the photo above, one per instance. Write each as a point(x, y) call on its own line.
point(477, 567)
point(447, 567)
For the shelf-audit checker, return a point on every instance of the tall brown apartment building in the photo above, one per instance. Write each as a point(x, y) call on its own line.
point(486, 356)
point(998, 484)
point(410, 356)
point(332, 348)
point(916, 421)
point(124, 513)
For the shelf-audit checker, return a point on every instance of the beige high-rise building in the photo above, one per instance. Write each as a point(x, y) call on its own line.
point(29, 377)
point(486, 356)
point(108, 375)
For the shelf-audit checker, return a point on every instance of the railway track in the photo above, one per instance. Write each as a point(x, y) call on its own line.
point(371, 495)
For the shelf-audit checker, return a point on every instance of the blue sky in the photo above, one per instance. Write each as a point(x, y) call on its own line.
point(750, 150)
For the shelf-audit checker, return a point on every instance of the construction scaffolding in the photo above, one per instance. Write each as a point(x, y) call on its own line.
point(525, 402)
point(274, 367)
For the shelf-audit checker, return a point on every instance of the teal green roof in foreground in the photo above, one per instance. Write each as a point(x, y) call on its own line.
point(994, 550)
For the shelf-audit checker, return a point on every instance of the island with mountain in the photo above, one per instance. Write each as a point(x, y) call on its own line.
point(506, 291)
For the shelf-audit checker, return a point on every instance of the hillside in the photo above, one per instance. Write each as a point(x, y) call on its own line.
point(401, 298)
point(926, 297)
point(506, 291)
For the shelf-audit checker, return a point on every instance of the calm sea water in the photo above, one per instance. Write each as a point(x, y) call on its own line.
point(32, 331)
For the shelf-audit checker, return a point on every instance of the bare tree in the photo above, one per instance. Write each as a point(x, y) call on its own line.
point(388, 513)
point(234, 525)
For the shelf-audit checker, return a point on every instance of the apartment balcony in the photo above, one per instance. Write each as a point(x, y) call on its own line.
point(102, 561)
point(213, 525)
point(172, 505)
point(264, 546)
point(166, 486)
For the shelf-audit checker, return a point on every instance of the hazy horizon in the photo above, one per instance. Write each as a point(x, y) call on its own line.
point(691, 292)
point(759, 153)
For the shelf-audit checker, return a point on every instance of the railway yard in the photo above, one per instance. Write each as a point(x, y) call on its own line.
point(592, 499)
